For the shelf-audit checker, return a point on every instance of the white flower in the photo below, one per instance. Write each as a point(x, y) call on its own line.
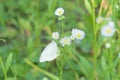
point(108, 30)
point(99, 19)
point(59, 11)
point(107, 45)
point(55, 35)
point(49, 53)
point(65, 41)
point(78, 34)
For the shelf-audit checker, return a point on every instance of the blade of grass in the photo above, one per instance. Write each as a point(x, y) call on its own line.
point(88, 6)
point(8, 62)
point(41, 70)
point(3, 68)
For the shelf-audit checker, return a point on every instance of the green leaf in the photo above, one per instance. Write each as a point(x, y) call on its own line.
point(103, 63)
point(8, 62)
point(88, 6)
point(87, 65)
point(2, 65)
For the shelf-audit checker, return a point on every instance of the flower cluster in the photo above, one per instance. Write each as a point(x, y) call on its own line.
point(108, 28)
point(75, 34)
point(51, 51)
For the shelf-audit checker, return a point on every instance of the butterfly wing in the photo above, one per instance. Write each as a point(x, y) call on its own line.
point(50, 52)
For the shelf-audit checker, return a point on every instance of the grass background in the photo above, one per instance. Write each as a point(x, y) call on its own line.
point(26, 27)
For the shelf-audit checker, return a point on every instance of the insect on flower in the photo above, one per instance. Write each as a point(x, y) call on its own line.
point(59, 11)
point(50, 52)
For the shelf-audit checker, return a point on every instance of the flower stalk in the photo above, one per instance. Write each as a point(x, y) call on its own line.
point(95, 40)
point(62, 27)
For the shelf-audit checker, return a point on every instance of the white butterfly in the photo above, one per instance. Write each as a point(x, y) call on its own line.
point(50, 52)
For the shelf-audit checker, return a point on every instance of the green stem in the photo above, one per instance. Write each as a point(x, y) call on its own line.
point(61, 73)
point(53, 77)
point(95, 39)
point(60, 67)
point(62, 27)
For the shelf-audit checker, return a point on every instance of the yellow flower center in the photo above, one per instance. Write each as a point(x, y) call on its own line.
point(108, 30)
point(79, 35)
point(60, 12)
point(66, 41)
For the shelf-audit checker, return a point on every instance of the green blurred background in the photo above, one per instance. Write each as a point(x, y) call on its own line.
point(26, 27)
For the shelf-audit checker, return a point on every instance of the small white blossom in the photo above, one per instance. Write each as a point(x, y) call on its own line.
point(65, 41)
point(108, 30)
point(107, 45)
point(50, 52)
point(59, 11)
point(99, 19)
point(78, 34)
point(55, 35)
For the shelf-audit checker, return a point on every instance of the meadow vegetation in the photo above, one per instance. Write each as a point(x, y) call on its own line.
point(79, 42)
